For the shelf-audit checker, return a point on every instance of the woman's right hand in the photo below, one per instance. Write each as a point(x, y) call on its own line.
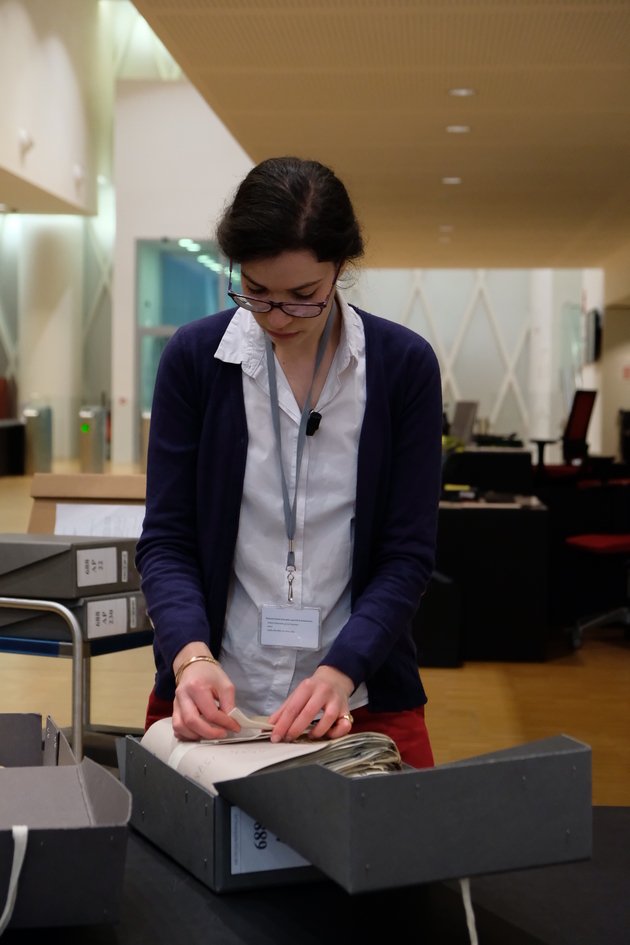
point(202, 684)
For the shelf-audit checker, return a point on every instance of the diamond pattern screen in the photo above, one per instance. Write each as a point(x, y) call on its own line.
point(478, 323)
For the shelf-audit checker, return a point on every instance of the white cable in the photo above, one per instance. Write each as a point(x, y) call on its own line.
point(470, 913)
point(20, 838)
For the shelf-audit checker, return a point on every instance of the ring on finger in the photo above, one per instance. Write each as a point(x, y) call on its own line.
point(347, 716)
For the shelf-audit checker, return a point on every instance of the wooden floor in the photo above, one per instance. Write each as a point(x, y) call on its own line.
point(480, 707)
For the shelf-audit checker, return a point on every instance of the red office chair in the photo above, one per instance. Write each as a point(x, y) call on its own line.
point(602, 545)
point(574, 444)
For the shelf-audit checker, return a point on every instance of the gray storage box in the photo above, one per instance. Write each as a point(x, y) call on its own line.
point(102, 616)
point(191, 824)
point(56, 566)
point(522, 807)
point(77, 817)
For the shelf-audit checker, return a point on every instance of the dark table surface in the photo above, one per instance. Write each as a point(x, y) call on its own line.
point(579, 904)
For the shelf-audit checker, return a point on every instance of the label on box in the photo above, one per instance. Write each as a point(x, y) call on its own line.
point(124, 566)
point(106, 618)
point(133, 613)
point(255, 849)
point(96, 566)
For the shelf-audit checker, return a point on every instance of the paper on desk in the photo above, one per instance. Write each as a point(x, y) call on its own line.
point(99, 521)
point(209, 762)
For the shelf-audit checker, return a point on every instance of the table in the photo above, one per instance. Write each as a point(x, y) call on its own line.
point(579, 904)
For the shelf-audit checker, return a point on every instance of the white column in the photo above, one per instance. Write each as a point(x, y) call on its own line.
point(50, 293)
point(593, 297)
point(541, 345)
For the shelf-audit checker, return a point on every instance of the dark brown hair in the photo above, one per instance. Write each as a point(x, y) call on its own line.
point(287, 204)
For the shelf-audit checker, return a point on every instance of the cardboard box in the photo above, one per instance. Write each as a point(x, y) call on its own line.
point(102, 616)
point(56, 567)
point(77, 818)
point(83, 488)
point(513, 809)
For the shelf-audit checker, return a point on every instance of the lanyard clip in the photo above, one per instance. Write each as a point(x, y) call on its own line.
point(290, 579)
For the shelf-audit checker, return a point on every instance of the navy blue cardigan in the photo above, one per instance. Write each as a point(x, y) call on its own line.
point(196, 466)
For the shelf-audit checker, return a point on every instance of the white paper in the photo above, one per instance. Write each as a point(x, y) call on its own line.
point(106, 618)
point(99, 521)
point(209, 762)
point(96, 566)
point(133, 613)
point(254, 848)
point(297, 627)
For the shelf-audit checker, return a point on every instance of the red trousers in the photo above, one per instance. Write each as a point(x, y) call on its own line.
point(407, 729)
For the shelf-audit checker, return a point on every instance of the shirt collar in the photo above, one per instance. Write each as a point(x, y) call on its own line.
point(244, 340)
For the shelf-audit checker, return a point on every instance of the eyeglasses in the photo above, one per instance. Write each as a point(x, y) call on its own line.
point(294, 309)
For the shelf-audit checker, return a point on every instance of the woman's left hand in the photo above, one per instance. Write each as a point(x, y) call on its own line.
point(327, 690)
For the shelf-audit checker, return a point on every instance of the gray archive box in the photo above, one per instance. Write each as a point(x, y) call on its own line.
point(54, 567)
point(105, 615)
point(189, 823)
point(522, 807)
point(77, 818)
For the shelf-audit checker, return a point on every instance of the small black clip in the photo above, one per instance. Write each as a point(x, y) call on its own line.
point(313, 422)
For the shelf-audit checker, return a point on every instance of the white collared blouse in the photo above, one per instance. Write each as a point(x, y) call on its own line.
point(265, 676)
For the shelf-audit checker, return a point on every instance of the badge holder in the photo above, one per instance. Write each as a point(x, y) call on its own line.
point(289, 625)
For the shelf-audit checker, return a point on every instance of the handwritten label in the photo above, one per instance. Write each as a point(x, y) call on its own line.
point(133, 613)
point(106, 618)
point(96, 566)
point(254, 848)
point(124, 566)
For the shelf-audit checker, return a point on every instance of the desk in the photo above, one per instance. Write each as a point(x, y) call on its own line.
point(497, 555)
point(579, 904)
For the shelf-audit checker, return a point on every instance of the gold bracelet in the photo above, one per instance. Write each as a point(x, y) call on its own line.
point(194, 659)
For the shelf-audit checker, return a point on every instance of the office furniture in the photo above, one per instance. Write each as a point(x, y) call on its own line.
point(71, 645)
point(464, 420)
point(436, 626)
point(582, 903)
point(608, 545)
point(91, 490)
point(579, 583)
point(574, 445)
point(500, 469)
point(497, 555)
point(11, 448)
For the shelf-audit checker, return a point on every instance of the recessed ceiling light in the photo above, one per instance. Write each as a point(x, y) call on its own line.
point(185, 243)
point(446, 228)
point(461, 93)
point(193, 247)
point(457, 129)
point(445, 239)
point(451, 180)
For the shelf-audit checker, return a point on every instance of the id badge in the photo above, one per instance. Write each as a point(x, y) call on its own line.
point(290, 625)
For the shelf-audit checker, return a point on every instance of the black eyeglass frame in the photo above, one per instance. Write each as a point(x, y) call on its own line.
point(320, 306)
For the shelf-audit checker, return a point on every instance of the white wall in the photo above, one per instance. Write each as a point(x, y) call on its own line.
point(50, 89)
point(615, 375)
point(175, 164)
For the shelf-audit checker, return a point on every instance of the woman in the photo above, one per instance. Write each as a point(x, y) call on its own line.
point(293, 603)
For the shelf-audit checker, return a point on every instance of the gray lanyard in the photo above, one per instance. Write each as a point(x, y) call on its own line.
point(290, 509)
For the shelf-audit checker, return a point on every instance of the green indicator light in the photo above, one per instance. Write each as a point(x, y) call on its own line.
point(85, 428)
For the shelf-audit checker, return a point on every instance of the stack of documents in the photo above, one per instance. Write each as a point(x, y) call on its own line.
point(237, 756)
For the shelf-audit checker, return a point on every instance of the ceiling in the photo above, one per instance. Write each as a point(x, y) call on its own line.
point(363, 85)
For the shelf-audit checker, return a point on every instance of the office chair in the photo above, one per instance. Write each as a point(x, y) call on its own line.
point(574, 444)
point(603, 545)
